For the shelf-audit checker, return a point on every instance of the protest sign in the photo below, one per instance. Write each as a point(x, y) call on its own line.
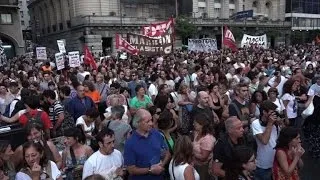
point(202, 45)
point(151, 46)
point(61, 46)
point(41, 53)
point(254, 41)
point(122, 44)
point(74, 59)
point(59, 61)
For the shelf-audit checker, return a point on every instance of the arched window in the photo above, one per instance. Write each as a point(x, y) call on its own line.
point(269, 9)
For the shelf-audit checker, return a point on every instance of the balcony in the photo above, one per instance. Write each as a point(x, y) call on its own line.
point(140, 21)
point(9, 3)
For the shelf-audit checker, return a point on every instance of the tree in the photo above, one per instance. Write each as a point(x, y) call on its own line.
point(184, 28)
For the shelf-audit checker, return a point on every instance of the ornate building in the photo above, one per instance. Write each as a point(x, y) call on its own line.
point(95, 22)
point(10, 28)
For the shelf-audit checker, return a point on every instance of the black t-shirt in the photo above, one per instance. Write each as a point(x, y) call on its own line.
point(223, 150)
point(302, 90)
point(241, 110)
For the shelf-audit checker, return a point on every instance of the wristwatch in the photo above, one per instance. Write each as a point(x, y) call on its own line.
point(149, 171)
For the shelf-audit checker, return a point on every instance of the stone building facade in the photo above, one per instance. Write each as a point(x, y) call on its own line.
point(96, 22)
point(10, 28)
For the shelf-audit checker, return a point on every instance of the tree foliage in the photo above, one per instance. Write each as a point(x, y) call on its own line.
point(184, 27)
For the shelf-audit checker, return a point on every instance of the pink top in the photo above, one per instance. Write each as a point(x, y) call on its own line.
point(205, 143)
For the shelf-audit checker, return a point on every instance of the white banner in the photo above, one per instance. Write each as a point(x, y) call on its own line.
point(41, 53)
point(61, 46)
point(254, 41)
point(202, 45)
point(74, 59)
point(59, 61)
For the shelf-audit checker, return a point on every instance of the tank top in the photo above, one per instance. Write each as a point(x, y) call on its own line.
point(277, 172)
point(177, 172)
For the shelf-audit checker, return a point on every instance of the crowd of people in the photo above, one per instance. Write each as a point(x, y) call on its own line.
point(189, 115)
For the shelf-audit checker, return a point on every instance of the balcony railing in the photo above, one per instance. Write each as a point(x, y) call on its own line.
point(9, 3)
point(139, 21)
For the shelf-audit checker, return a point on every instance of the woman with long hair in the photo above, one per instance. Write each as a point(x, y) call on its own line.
point(290, 101)
point(181, 165)
point(215, 101)
point(257, 98)
point(288, 155)
point(203, 144)
point(242, 165)
point(35, 133)
point(76, 152)
point(6, 155)
point(36, 165)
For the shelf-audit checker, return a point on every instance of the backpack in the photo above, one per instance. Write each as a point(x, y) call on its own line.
point(34, 119)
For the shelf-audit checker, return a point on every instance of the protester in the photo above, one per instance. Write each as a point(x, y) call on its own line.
point(36, 164)
point(181, 165)
point(288, 155)
point(243, 164)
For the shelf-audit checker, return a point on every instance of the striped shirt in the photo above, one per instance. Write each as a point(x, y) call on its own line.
point(54, 110)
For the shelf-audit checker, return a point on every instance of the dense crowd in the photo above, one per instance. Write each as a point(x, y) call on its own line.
point(189, 115)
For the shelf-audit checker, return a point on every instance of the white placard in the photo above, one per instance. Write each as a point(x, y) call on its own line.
point(74, 59)
point(202, 45)
point(41, 53)
point(61, 46)
point(59, 61)
point(254, 41)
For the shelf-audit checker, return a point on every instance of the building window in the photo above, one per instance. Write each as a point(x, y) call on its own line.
point(22, 23)
point(6, 19)
point(20, 3)
point(21, 14)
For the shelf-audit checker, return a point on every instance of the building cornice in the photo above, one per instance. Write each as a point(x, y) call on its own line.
point(34, 2)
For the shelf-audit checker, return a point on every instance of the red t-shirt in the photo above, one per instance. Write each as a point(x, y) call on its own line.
point(23, 120)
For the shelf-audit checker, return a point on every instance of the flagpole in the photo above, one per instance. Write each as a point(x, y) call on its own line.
point(222, 37)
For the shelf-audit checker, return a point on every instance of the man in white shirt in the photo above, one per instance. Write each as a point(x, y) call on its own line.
point(277, 81)
point(266, 132)
point(107, 161)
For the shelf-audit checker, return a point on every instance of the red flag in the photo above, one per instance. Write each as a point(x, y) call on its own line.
point(88, 58)
point(122, 44)
point(158, 29)
point(228, 39)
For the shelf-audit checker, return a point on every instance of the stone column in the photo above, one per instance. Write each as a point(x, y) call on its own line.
point(225, 11)
point(282, 9)
point(210, 8)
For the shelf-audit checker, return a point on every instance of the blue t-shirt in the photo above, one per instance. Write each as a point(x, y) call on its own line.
point(143, 152)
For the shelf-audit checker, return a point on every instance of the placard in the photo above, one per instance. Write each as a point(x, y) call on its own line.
point(59, 61)
point(41, 53)
point(202, 45)
point(254, 41)
point(61, 46)
point(74, 59)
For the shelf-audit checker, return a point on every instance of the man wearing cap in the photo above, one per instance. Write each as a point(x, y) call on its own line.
point(266, 132)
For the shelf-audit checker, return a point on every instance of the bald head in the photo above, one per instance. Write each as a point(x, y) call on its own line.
point(203, 99)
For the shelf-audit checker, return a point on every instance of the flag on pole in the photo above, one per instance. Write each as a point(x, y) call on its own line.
point(228, 39)
point(124, 45)
point(88, 58)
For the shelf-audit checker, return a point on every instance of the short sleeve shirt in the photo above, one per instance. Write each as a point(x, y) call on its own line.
point(137, 104)
point(206, 143)
point(54, 110)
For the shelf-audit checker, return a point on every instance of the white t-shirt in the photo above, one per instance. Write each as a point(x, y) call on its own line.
point(194, 79)
point(55, 173)
point(292, 105)
point(102, 164)
point(280, 105)
point(152, 90)
point(280, 85)
point(265, 153)
point(87, 129)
